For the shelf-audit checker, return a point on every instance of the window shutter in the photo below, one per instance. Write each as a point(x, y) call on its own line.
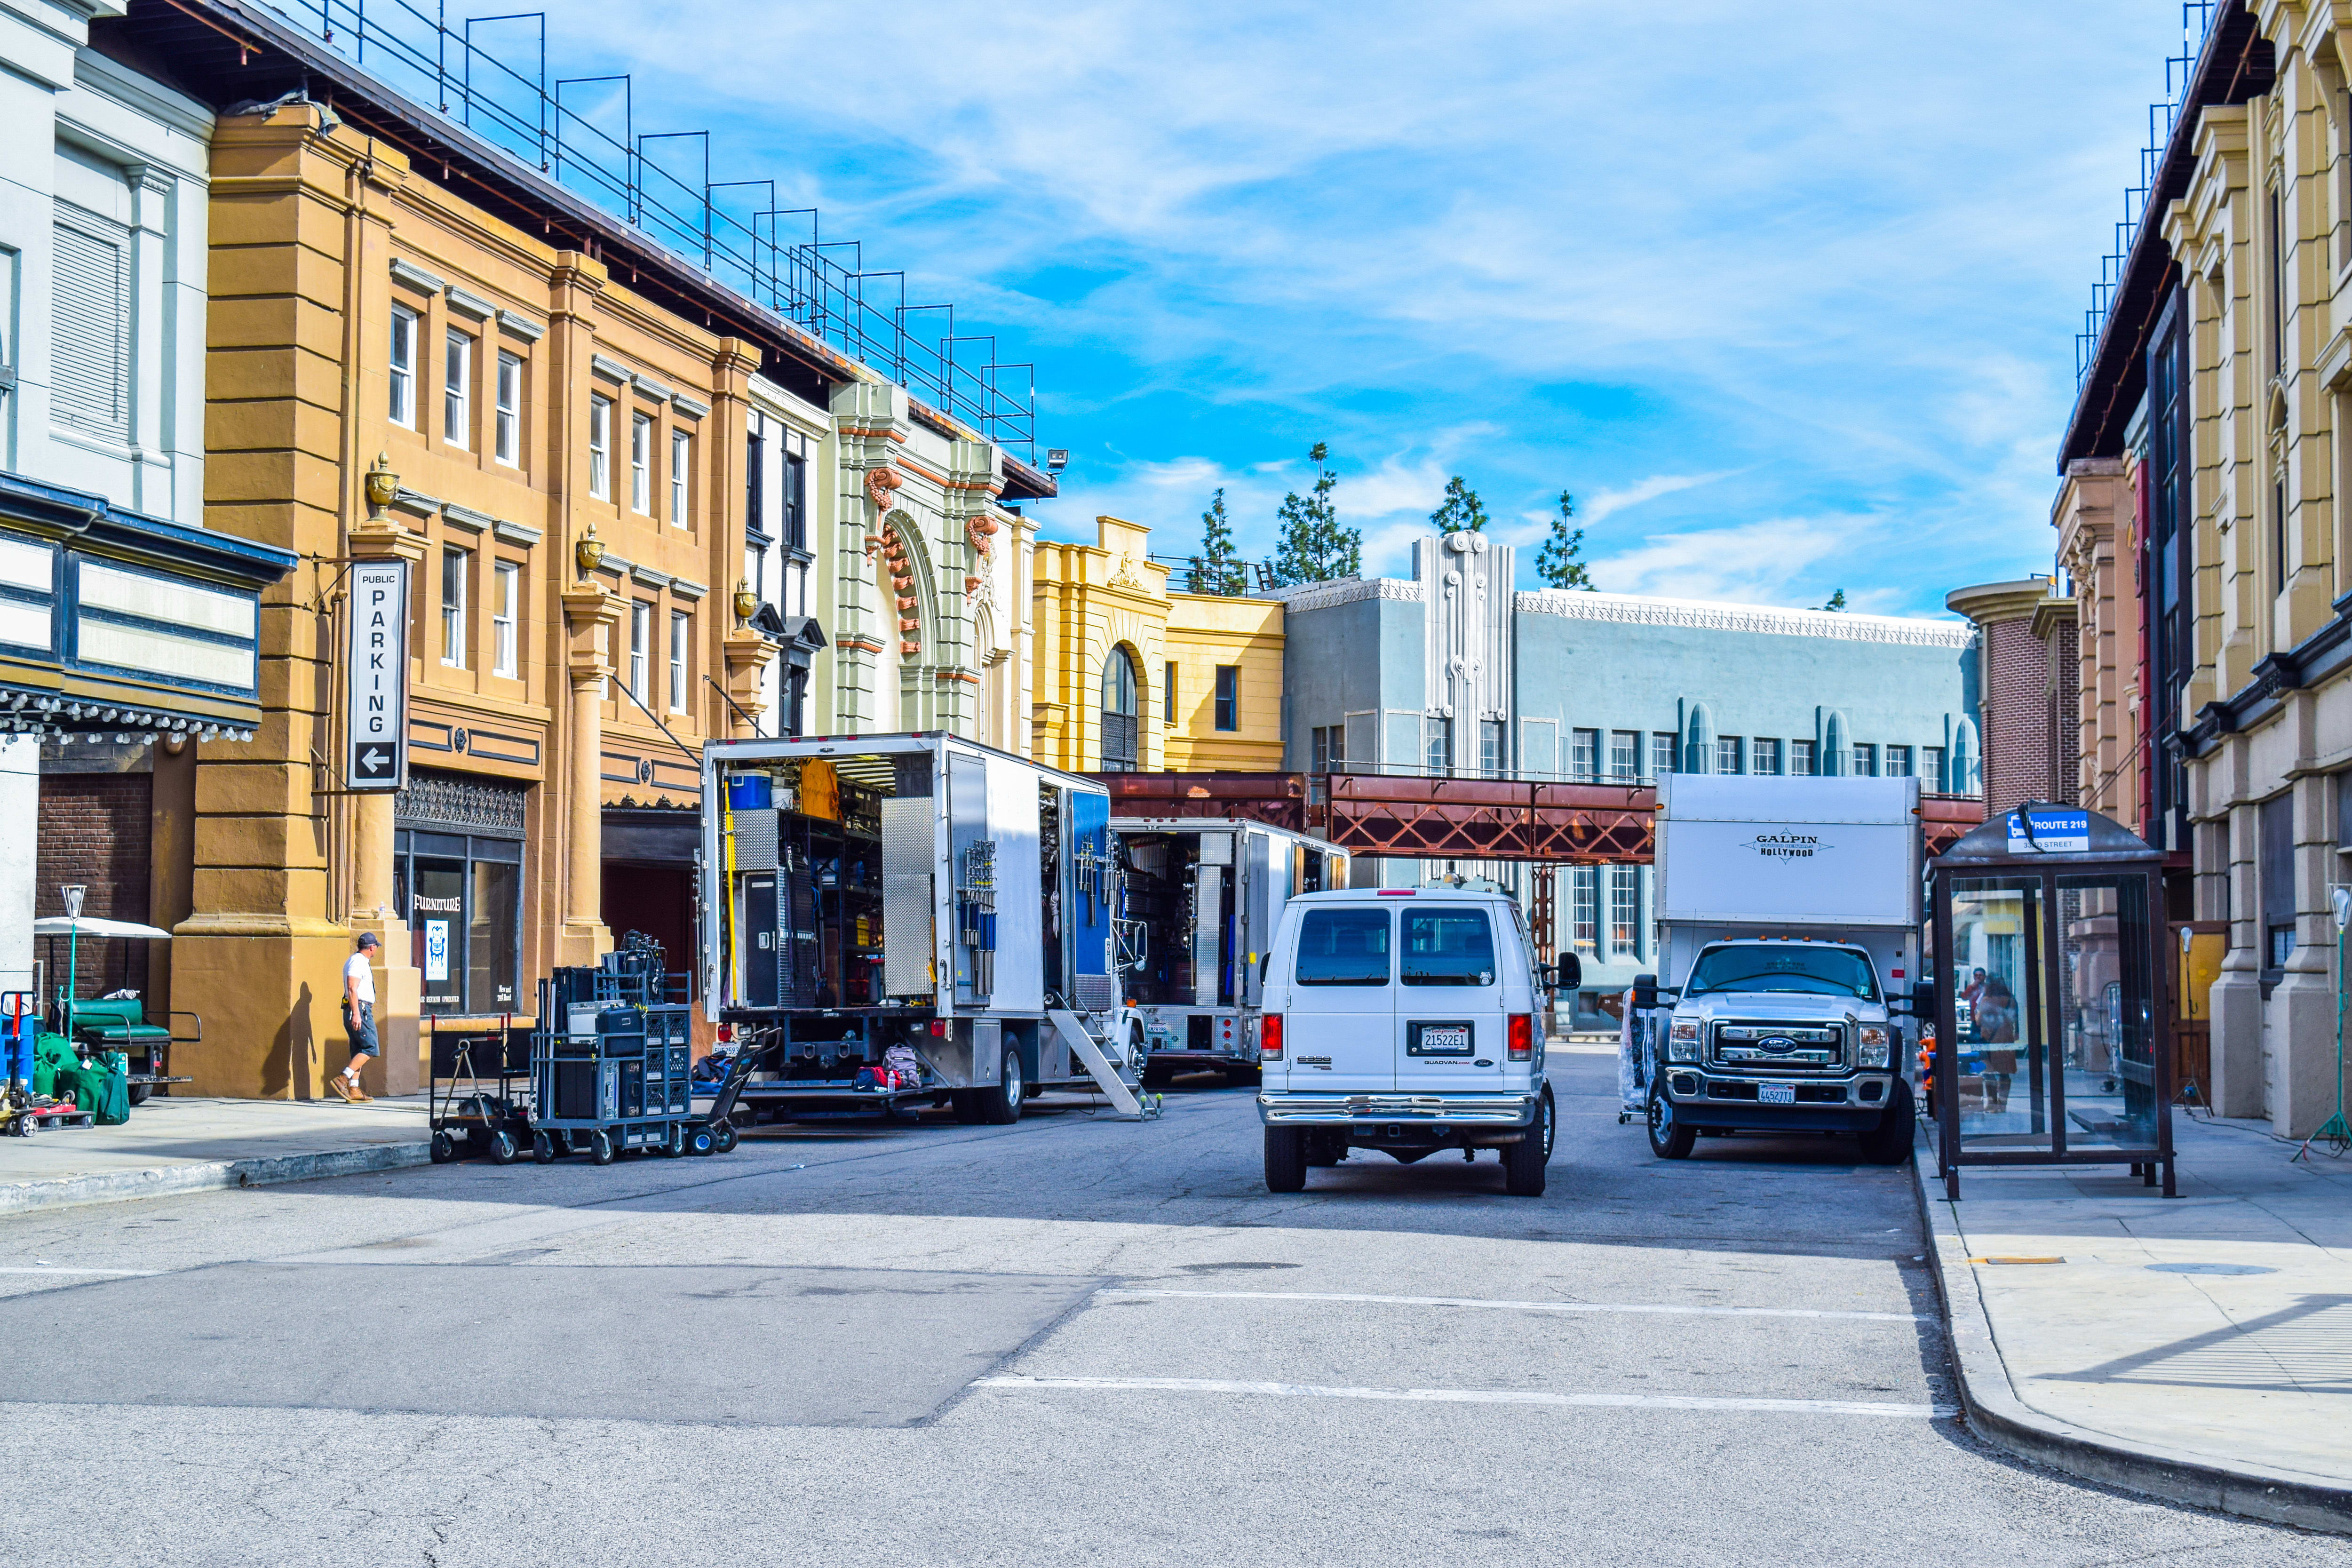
point(90, 379)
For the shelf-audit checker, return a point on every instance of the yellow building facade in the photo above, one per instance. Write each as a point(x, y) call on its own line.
point(1130, 676)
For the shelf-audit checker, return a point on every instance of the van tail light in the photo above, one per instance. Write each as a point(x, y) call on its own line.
point(1522, 1038)
point(725, 1033)
point(1269, 1038)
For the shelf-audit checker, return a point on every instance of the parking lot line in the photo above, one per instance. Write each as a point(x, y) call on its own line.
point(1124, 1294)
point(45, 1269)
point(1478, 1396)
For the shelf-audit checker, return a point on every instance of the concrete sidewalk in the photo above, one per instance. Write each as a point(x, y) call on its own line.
point(2198, 1348)
point(180, 1145)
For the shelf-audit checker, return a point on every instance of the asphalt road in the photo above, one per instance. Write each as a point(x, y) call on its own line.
point(1076, 1339)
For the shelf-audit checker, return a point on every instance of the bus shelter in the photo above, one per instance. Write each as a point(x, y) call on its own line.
point(2050, 1012)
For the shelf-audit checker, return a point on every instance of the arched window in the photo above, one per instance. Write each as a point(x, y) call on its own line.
point(1119, 711)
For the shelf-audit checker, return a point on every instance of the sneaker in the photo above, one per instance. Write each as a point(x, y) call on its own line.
point(338, 1086)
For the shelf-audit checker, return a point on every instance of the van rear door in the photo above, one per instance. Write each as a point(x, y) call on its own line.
point(1450, 1024)
point(1340, 1017)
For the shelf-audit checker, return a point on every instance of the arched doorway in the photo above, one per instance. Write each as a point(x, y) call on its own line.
point(1119, 692)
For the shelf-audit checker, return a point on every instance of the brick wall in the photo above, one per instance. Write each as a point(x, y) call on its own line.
point(2016, 715)
point(2065, 665)
point(95, 829)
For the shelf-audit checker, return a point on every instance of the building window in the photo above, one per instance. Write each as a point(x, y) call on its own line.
point(1664, 750)
point(1931, 769)
point(796, 501)
point(681, 466)
point(641, 636)
point(1318, 749)
point(1168, 694)
point(507, 432)
point(1229, 696)
point(1764, 756)
point(457, 391)
point(2274, 828)
point(402, 369)
point(1584, 906)
point(1437, 744)
point(1624, 910)
point(1865, 760)
point(458, 883)
point(1584, 755)
point(600, 447)
point(455, 563)
point(1898, 762)
point(506, 610)
point(1624, 755)
point(1492, 760)
point(641, 463)
point(755, 488)
point(1120, 742)
point(682, 637)
point(89, 343)
point(1727, 757)
point(1800, 758)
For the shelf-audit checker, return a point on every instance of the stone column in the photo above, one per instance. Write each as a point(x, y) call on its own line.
point(589, 615)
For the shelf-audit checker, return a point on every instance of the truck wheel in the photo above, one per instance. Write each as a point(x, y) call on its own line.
point(1001, 1106)
point(1669, 1139)
point(1286, 1160)
point(1524, 1161)
point(1889, 1142)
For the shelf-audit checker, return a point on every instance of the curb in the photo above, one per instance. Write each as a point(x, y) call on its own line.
point(1996, 1413)
point(165, 1181)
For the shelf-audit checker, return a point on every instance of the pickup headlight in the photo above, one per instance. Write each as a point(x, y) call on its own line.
point(1876, 1045)
point(1681, 1040)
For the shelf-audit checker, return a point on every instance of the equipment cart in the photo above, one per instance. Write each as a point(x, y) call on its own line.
point(478, 1091)
point(609, 1064)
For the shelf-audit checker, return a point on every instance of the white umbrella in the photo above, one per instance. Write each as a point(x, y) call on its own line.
point(62, 925)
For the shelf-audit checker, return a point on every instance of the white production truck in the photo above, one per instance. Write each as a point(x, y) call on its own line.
point(1788, 946)
point(895, 918)
point(1201, 898)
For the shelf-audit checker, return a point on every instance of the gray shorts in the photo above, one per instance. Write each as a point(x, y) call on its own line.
point(360, 1023)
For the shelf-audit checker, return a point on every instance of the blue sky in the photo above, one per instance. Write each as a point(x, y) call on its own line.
point(1785, 294)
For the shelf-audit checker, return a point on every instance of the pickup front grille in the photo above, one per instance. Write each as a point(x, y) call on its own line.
point(1759, 1045)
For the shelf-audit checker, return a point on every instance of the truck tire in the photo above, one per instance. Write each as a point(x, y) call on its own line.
point(1286, 1160)
point(1669, 1139)
point(1524, 1161)
point(1889, 1142)
point(1001, 1106)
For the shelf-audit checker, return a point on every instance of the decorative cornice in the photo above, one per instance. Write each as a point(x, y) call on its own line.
point(647, 386)
point(467, 304)
point(688, 407)
point(1346, 591)
point(415, 502)
point(465, 517)
point(649, 577)
point(1625, 609)
point(680, 588)
point(415, 277)
point(610, 369)
point(516, 532)
point(522, 327)
point(2322, 655)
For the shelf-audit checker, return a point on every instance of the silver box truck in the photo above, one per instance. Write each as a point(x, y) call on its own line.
point(890, 918)
point(1200, 901)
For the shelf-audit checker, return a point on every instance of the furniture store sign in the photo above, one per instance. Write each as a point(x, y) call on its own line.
point(376, 660)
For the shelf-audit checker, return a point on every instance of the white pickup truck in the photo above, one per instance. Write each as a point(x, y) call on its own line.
point(1789, 928)
point(1410, 1021)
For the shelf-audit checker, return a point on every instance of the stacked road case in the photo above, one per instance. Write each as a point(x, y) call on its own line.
point(610, 1063)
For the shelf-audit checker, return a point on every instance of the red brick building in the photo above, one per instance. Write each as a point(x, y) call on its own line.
point(2031, 685)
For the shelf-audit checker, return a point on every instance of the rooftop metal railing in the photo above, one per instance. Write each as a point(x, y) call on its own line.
point(581, 134)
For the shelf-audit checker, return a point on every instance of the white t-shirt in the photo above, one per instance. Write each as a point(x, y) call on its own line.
point(359, 978)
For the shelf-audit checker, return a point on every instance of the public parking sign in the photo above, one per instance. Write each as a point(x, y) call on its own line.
point(376, 712)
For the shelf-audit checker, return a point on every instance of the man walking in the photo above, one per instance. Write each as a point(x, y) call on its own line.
point(358, 1019)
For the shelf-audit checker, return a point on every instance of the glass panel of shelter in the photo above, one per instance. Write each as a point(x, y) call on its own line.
point(2002, 1081)
point(2107, 1033)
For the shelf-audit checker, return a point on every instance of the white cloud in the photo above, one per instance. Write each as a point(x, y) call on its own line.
point(1767, 562)
point(1605, 504)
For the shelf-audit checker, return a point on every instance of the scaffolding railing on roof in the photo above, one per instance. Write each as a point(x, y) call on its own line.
point(740, 241)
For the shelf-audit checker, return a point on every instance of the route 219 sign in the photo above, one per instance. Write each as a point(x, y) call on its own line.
point(376, 660)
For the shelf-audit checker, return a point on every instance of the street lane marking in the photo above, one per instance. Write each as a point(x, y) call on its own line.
point(1128, 1294)
point(1480, 1397)
point(134, 1273)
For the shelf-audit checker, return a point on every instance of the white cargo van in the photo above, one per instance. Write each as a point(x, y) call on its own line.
point(1406, 1020)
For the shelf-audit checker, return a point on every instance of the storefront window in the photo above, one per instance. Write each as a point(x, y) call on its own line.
point(457, 881)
